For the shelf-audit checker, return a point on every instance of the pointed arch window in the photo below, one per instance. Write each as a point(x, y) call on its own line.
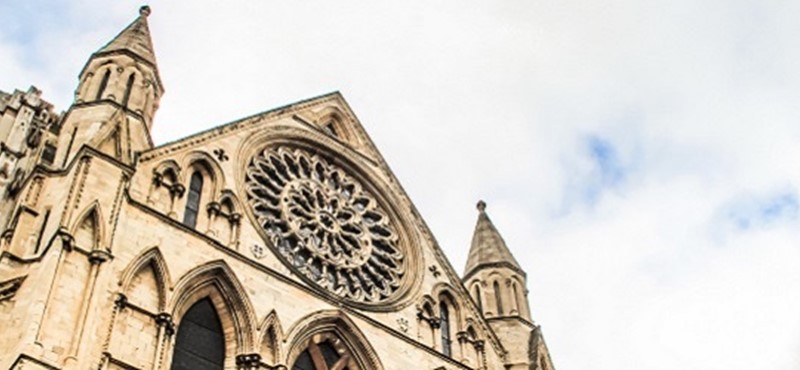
point(516, 297)
point(200, 343)
point(478, 298)
point(128, 88)
point(193, 200)
point(444, 315)
point(497, 298)
point(103, 84)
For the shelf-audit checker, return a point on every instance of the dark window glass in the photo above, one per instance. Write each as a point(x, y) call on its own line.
point(193, 200)
point(478, 298)
point(304, 362)
point(497, 298)
point(200, 343)
point(103, 84)
point(49, 154)
point(319, 356)
point(329, 353)
point(128, 88)
point(444, 314)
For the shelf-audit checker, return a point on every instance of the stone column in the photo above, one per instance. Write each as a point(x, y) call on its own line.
point(96, 258)
point(176, 192)
point(236, 221)
point(166, 328)
point(213, 209)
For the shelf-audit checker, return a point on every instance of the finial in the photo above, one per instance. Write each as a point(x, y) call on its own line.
point(144, 11)
point(481, 206)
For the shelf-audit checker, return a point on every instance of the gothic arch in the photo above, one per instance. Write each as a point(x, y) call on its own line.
point(516, 293)
point(194, 208)
point(201, 160)
point(102, 81)
point(472, 342)
point(217, 281)
point(151, 258)
point(426, 314)
point(165, 186)
point(270, 336)
point(138, 101)
point(339, 324)
point(229, 196)
point(471, 332)
point(90, 221)
point(444, 292)
point(495, 294)
point(332, 120)
point(476, 292)
point(427, 302)
point(165, 166)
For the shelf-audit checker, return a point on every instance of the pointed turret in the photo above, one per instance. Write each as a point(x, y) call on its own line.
point(116, 98)
point(497, 283)
point(488, 247)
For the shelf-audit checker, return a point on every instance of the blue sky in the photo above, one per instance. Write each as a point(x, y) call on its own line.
point(642, 159)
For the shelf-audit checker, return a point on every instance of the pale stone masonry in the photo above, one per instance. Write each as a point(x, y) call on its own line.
point(279, 241)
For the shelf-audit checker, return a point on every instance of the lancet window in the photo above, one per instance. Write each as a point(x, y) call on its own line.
point(478, 298)
point(515, 292)
point(498, 299)
point(444, 316)
point(128, 89)
point(193, 200)
point(103, 84)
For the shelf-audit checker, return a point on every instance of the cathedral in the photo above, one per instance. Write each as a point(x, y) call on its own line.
point(278, 241)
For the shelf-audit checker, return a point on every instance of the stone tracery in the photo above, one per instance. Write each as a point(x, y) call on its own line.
point(325, 224)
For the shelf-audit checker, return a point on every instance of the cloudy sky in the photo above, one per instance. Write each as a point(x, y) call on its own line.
point(641, 158)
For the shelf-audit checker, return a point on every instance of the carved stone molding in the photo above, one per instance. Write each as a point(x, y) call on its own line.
point(250, 361)
point(177, 190)
point(164, 320)
point(98, 256)
point(213, 208)
point(67, 240)
point(121, 301)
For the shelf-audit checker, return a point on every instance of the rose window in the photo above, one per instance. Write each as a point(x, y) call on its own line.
point(324, 224)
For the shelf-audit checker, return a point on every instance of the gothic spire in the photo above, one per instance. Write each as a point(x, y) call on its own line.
point(134, 39)
point(488, 247)
point(120, 87)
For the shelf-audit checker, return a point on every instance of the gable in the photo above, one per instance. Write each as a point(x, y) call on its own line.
point(314, 198)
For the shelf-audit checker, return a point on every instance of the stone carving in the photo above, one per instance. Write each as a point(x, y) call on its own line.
point(258, 251)
point(221, 155)
point(325, 224)
point(402, 324)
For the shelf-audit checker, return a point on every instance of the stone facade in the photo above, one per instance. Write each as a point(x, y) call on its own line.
point(287, 225)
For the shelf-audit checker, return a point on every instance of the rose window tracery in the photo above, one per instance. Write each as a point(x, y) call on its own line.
point(324, 224)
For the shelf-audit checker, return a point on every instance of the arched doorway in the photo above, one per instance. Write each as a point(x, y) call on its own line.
point(200, 342)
